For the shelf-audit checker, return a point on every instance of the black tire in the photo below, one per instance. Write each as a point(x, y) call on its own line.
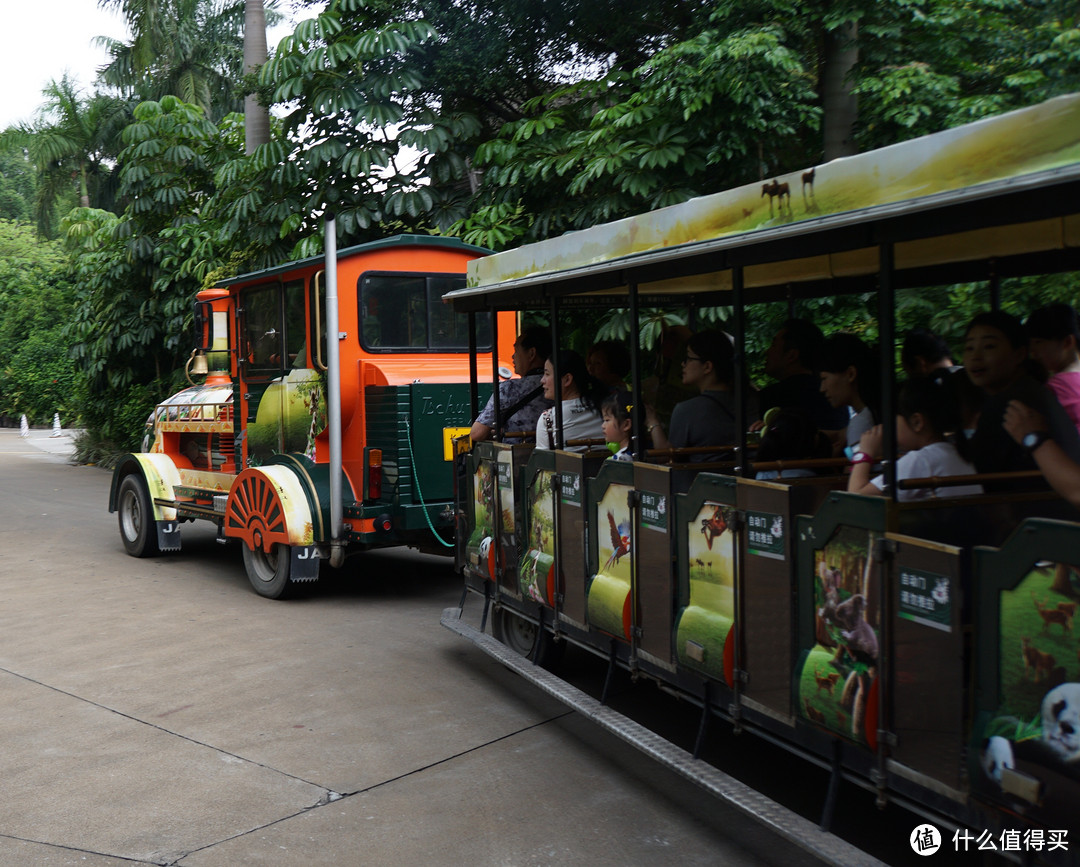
point(522, 637)
point(269, 573)
point(135, 514)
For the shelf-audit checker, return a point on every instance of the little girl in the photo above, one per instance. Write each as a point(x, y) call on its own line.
point(617, 424)
point(925, 413)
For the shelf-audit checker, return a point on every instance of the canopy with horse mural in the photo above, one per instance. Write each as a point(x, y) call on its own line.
point(966, 177)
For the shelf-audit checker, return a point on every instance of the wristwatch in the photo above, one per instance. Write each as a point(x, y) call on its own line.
point(1033, 440)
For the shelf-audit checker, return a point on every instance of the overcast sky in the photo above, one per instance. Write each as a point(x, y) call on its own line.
point(28, 61)
point(48, 37)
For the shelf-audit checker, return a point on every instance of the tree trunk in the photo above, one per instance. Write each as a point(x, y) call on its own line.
point(256, 116)
point(84, 189)
point(841, 110)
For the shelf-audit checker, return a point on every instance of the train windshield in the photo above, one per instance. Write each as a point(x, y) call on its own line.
point(273, 326)
point(406, 312)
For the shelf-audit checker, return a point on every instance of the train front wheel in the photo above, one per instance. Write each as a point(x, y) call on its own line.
point(269, 572)
point(135, 515)
point(522, 636)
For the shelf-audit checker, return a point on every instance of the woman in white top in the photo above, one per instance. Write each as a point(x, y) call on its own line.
point(849, 377)
point(926, 411)
point(581, 397)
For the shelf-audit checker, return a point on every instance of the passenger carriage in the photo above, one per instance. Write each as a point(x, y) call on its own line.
point(887, 640)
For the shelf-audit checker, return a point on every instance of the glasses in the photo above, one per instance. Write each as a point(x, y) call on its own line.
point(691, 358)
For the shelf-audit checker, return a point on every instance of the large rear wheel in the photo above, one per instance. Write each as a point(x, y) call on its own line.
point(522, 636)
point(135, 514)
point(269, 572)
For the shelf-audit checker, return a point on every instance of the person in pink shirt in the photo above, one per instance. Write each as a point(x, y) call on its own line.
point(1054, 343)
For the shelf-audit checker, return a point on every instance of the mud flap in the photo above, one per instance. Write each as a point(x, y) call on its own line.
point(168, 535)
point(304, 565)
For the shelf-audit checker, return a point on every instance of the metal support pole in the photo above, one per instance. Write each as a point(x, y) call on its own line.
point(497, 434)
point(610, 676)
point(703, 723)
point(742, 380)
point(638, 415)
point(829, 810)
point(474, 375)
point(887, 338)
point(333, 399)
point(557, 442)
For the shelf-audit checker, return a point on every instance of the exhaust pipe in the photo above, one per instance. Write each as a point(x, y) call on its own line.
point(333, 397)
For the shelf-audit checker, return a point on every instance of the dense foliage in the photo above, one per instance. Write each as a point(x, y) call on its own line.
point(747, 98)
point(503, 121)
point(39, 377)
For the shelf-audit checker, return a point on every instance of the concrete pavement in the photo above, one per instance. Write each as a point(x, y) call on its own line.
point(43, 440)
point(159, 712)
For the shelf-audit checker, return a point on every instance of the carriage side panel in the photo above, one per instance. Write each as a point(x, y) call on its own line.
point(836, 682)
point(611, 549)
point(767, 589)
point(927, 658)
point(654, 569)
point(1024, 754)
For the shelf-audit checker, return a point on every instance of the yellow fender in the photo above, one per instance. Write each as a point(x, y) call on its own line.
point(268, 505)
point(160, 474)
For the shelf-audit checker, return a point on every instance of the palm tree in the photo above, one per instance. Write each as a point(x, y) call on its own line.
point(187, 48)
point(198, 50)
point(72, 144)
point(143, 19)
point(256, 116)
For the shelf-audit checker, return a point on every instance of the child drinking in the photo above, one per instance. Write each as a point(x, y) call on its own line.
point(790, 435)
point(617, 424)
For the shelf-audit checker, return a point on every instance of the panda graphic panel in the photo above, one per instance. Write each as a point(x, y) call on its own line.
point(1026, 750)
point(478, 547)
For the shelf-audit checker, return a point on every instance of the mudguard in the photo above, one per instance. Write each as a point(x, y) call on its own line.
point(269, 505)
point(161, 477)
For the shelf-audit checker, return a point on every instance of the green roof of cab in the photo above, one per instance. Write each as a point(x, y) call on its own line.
point(393, 241)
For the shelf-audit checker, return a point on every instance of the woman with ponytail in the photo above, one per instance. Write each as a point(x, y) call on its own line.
point(581, 398)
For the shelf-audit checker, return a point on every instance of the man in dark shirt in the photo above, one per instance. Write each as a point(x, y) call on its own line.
point(520, 400)
point(791, 360)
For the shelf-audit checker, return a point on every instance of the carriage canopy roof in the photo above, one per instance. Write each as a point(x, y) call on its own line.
point(991, 197)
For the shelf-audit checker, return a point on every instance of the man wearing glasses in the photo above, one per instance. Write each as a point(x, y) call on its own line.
point(708, 419)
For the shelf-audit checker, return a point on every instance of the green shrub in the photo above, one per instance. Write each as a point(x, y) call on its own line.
point(115, 419)
point(41, 380)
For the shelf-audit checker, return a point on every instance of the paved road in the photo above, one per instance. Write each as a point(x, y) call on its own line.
point(158, 711)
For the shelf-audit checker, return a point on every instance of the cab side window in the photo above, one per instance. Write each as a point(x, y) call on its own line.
point(404, 312)
point(273, 326)
point(262, 328)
